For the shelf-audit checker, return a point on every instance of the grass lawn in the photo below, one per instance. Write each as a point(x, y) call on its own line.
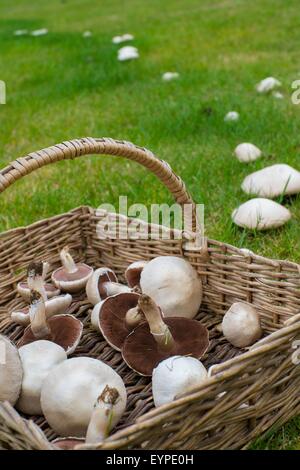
point(63, 86)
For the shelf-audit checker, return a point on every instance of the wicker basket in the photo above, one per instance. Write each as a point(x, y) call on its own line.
point(262, 384)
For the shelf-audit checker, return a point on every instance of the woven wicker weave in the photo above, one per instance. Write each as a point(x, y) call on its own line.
point(261, 384)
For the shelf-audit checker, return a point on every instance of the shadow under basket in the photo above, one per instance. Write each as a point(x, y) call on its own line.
point(248, 391)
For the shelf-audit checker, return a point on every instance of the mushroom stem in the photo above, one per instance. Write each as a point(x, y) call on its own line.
point(133, 317)
point(158, 328)
point(35, 278)
point(67, 261)
point(46, 268)
point(102, 416)
point(39, 326)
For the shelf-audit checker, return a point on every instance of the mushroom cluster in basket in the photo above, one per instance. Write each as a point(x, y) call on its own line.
point(151, 321)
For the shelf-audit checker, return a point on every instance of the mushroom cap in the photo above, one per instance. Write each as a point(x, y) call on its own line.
point(174, 285)
point(247, 152)
point(273, 181)
point(95, 315)
point(241, 325)
point(111, 318)
point(94, 290)
point(66, 331)
point(70, 391)
point(175, 376)
point(72, 282)
point(67, 443)
point(141, 353)
point(260, 214)
point(54, 306)
point(38, 359)
point(11, 371)
point(133, 273)
point(24, 290)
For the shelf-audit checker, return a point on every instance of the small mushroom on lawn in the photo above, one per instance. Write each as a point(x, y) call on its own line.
point(36, 275)
point(11, 371)
point(64, 330)
point(133, 273)
point(241, 325)
point(247, 152)
point(54, 306)
point(116, 317)
point(159, 338)
point(175, 376)
point(174, 285)
point(70, 392)
point(38, 359)
point(103, 283)
point(100, 423)
point(71, 277)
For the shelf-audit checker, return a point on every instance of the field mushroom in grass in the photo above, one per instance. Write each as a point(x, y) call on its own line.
point(267, 84)
point(117, 316)
point(38, 359)
point(174, 285)
point(69, 394)
point(71, 277)
point(133, 273)
point(54, 306)
point(241, 325)
point(260, 214)
point(175, 376)
point(102, 284)
point(273, 181)
point(159, 338)
point(11, 371)
point(36, 275)
point(64, 330)
point(247, 152)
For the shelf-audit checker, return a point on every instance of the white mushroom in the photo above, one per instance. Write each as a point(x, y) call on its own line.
point(247, 152)
point(133, 273)
point(273, 181)
point(174, 285)
point(38, 359)
point(268, 84)
point(11, 371)
point(54, 306)
point(39, 32)
point(124, 38)
point(175, 376)
point(103, 283)
point(260, 214)
point(36, 275)
point(168, 76)
point(128, 53)
point(71, 277)
point(232, 116)
point(70, 391)
point(241, 325)
point(87, 34)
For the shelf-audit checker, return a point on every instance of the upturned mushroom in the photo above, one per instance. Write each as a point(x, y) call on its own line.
point(36, 275)
point(174, 285)
point(241, 325)
point(100, 423)
point(71, 277)
point(54, 306)
point(64, 330)
point(11, 371)
point(70, 392)
point(159, 338)
point(116, 317)
point(133, 273)
point(175, 376)
point(102, 284)
point(38, 359)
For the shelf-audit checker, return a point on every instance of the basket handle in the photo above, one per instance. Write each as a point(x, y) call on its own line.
point(80, 147)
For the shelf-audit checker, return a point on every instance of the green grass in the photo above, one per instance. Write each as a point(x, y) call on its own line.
point(62, 86)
